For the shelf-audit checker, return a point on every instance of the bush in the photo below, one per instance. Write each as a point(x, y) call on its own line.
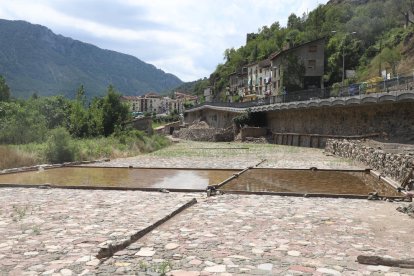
point(60, 147)
point(16, 157)
point(243, 119)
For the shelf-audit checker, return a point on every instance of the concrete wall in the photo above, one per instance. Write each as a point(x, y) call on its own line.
point(214, 118)
point(394, 119)
point(394, 165)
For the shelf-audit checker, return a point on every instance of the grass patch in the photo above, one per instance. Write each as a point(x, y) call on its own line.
point(124, 144)
point(157, 124)
point(15, 156)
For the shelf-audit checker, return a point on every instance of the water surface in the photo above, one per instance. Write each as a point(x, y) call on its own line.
point(121, 177)
point(307, 181)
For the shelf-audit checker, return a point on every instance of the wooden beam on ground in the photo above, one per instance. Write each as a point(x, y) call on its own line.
point(377, 260)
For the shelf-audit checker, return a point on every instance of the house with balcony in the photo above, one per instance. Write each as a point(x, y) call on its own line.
point(237, 84)
point(265, 77)
point(298, 67)
point(148, 103)
point(252, 82)
point(133, 102)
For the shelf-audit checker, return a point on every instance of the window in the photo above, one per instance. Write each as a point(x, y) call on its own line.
point(313, 48)
point(311, 64)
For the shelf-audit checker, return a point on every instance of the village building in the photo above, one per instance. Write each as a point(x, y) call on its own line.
point(237, 85)
point(299, 67)
point(208, 94)
point(265, 76)
point(133, 102)
point(252, 82)
point(186, 98)
point(148, 103)
point(295, 68)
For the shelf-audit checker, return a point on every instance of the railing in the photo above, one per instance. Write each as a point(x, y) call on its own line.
point(366, 88)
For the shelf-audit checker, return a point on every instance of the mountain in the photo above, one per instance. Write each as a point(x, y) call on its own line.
point(35, 60)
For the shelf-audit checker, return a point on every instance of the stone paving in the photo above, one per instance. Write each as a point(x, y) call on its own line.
point(47, 231)
point(271, 235)
point(234, 155)
point(58, 232)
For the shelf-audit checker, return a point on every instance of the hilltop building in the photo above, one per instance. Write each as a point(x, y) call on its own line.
point(293, 68)
point(299, 67)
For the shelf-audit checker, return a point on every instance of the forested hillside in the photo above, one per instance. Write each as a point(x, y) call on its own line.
point(35, 60)
point(371, 34)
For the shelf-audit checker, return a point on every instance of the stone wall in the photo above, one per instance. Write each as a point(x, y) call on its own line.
point(394, 119)
point(214, 118)
point(394, 165)
point(143, 124)
point(207, 134)
point(168, 129)
point(254, 132)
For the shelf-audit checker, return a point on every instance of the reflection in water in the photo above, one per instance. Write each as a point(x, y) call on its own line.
point(121, 177)
point(306, 181)
point(254, 180)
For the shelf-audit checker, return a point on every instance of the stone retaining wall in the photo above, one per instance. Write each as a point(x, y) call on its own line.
point(394, 165)
point(207, 134)
point(255, 132)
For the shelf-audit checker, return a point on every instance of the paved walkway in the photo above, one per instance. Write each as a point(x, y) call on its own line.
point(44, 231)
point(59, 232)
point(255, 235)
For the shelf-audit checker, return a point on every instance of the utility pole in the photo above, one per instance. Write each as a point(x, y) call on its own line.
point(380, 50)
point(343, 63)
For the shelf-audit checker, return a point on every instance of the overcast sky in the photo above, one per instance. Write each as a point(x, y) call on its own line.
point(184, 37)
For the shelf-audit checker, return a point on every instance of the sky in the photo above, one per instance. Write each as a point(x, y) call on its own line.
point(184, 37)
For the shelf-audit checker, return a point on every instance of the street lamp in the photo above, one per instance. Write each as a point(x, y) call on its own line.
point(343, 56)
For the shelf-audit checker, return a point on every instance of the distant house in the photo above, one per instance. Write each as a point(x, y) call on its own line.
point(208, 94)
point(133, 102)
point(265, 77)
point(186, 98)
point(252, 82)
point(148, 103)
point(232, 88)
point(237, 84)
point(300, 67)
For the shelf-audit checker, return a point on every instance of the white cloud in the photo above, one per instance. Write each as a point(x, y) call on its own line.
point(183, 37)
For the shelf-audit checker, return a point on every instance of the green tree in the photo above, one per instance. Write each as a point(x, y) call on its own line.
point(115, 113)
point(391, 57)
point(78, 122)
point(95, 117)
point(294, 22)
point(4, 90)
point(21, 124)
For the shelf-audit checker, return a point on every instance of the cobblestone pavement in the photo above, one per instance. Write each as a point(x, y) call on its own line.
point(190, 154)
point(272, 235)
point(44, 231)
point(58, 231)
